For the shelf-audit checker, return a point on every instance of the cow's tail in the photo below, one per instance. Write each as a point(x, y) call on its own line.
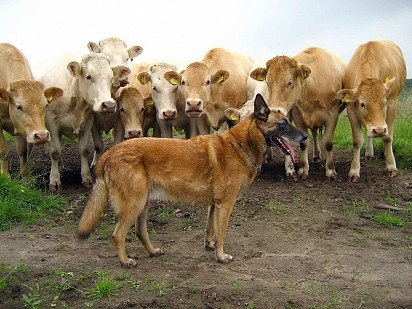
point(96, 205)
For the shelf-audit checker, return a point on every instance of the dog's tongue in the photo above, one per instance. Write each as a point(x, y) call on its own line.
point(286, 148)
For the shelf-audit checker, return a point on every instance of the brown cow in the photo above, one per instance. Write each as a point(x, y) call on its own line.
point(220, 77)
point(374, 78)
point(22, 106)
point(306, 86)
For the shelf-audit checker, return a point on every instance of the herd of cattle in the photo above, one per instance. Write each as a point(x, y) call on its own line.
point(100, 93)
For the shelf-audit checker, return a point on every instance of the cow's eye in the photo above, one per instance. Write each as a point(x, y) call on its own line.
point(154, 88)
point(289, 85)
point(363, 105)
point(88, 77)
point(121, 109)
point(19, 107)
point(208, 82)
point(183, 82)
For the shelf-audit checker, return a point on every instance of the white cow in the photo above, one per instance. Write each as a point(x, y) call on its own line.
point(87, 90)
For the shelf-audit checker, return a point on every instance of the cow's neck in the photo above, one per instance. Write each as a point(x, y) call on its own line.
point(366, 70)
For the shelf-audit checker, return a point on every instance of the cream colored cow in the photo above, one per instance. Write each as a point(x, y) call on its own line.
point(220, 77)
point(22, 106)
point(373, 80)
point(306, 86)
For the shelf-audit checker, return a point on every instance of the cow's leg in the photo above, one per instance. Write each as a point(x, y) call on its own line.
point(369, 153)
point(98, 145)
point(166, 128)
point(55, 155)
point(143, 235)
point(290, 168)
point(202, 126)
point(83, 145)
point(210, 231)
point(156, 130)
point(327, 143)
point(118, 132)
point(21, 146)
point(357, 136)
point(191, 128)
point(317, 154)
point(222, 213)
point(388, 139)
point(4, 150)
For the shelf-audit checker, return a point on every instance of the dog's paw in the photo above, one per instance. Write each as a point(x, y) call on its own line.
point(225, 259)
point(210, 245)
point(129, 263)
point(157, 252)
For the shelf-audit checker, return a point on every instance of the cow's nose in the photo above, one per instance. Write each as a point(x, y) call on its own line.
point(41, 137)
point(135, 133)
point(169, 114)
point(109, 106)
point(194, 104)
point(379, 131)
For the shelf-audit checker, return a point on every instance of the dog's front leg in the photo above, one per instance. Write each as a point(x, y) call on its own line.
point(222, 213)
point(210, 229)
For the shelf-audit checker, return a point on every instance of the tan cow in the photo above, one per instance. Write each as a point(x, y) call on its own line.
point(220, 77)
point(149, 118)
point(306, 86)
point(87, 91)
point(22, 106)
point(373, 80)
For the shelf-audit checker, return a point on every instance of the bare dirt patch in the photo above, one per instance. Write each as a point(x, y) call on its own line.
point(313, 244)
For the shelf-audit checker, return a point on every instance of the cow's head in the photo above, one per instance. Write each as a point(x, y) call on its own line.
point(284, 77)
point(27, 107)
point(131, 109)
point(118, 55)
point(239, 114)
point(94, 77)
point(195, 85)
point(370, 101)
point(164, 93)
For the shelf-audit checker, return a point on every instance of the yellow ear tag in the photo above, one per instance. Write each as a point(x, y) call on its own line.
point(261, 78)
point(116, 75)
point(49, 99)
point(387, 79)
point(219, 80)
point(174, 81)
point(234, 117)
point(346, 99)
point(149, 101)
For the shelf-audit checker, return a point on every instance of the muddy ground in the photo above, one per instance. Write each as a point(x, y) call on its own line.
point(312, 244)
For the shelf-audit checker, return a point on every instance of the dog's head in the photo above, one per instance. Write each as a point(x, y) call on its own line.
point(275, 126)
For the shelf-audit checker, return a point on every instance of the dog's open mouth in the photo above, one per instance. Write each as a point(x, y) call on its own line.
point(193, 113)
point(283, 145)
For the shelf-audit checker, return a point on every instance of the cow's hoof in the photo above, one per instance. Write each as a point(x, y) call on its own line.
point(317, 160)
point(210, 245)
point(332, 176)
point(369, 158)
point(225, 259)
point(392, 174)
point(129, 263)
point(157, 252)
point(303, 176)
point(87, 184)
point(54, 187)
point(353, 178)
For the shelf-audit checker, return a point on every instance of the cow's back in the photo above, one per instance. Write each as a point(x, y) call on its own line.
point(327, 72)
point(13, 65)
point(233, 90)
point(377, 59)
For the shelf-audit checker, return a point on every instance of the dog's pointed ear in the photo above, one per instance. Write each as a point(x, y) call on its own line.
point(261, 110)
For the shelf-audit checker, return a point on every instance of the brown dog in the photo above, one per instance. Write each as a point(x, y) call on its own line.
point(206, 170)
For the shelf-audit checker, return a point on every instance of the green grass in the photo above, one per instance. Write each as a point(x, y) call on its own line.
point(105, 286)
point(20, 203)
point(32, 299)
point(10, 274)
point(389, 219)
point(276, 207)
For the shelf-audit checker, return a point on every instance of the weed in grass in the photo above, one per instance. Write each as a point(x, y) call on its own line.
point(134, 283)
point(152, 232)
point(11, 273)
point(276, 207)
point(335, 300)
point(236, 286)
point(105, 286)
point(20, 203)
point(157, 287)
point(251, 305)
point(389, 219)
point(188, 223)
point(32, 299)
point(193, 287)
point(166, 212)
point(409, 209)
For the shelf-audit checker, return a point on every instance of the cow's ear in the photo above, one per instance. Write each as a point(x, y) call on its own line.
point(303, 71)
point(259, 74)
point(134, 51)
point(4, 94)
point(173, 77)
point(93, 47)
point(120, 72)
point(148, 104)
point(232, 114)
point(53, 93)
point(347, 95)
point(74, 68)
point(261, 110)
point(220, 76)
point(143, 78)
point(388, 84)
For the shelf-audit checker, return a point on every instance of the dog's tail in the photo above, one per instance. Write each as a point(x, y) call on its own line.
point(96, 205)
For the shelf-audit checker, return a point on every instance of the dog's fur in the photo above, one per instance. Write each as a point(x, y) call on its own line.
point(207, 170)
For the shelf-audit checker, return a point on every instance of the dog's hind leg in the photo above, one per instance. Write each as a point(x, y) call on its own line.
point(129, 206)
point(222, 213)
point(210, 230)
point(143, 235)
